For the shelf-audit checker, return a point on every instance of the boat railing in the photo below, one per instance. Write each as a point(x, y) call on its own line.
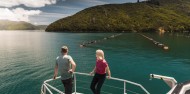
point(46, 87)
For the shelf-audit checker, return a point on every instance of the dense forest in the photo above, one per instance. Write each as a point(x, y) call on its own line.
point(146, 16)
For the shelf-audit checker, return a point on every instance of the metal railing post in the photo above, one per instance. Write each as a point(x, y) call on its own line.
point(75, 83)
point(44, 89)
point(48, 89)
point(124, 87)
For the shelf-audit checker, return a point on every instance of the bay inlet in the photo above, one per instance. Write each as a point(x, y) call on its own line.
point(27, 58)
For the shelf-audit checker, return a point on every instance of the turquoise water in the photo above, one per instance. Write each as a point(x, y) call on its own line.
point(27, 59)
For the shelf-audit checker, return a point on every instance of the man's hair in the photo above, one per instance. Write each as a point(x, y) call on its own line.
point(64, 49)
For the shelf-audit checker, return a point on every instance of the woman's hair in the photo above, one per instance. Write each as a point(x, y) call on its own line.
point(100, 54)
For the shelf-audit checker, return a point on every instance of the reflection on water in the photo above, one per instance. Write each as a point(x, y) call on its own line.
point(27, 58)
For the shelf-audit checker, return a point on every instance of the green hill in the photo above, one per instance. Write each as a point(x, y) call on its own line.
point(171, 15)
point(13, 25)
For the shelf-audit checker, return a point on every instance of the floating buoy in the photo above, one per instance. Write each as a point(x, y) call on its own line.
point(156, 43)
point(165, 47)
point(84, 44)
point(160, 44)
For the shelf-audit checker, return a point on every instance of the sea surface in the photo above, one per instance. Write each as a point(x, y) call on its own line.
point(27, 58)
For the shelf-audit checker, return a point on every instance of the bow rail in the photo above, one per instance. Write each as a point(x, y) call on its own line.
point(46, 87)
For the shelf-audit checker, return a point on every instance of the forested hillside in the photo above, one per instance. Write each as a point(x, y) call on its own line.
point(150, 15)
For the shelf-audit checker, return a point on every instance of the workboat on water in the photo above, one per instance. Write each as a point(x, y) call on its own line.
point(176, 88)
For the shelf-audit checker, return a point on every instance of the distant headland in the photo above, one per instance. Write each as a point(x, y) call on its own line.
point(19, 25)
point(150, 15)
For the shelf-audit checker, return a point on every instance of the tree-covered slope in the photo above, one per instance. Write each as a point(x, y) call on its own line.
point(171, 15)
point(13, 25)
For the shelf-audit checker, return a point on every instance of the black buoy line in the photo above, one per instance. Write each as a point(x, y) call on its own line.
point(161, 45)
point(84, 44)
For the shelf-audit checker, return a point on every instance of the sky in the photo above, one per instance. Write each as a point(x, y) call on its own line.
point(44, 12)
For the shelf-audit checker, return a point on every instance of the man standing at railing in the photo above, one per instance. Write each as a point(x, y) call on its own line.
point(66, 66)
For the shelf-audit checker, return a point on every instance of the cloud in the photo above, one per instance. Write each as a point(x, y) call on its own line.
point(99, 2)
point(18, 14)
point(68, 7)
point(56, 15)
point(45, 18)
point(28, 3)
point(85, 3)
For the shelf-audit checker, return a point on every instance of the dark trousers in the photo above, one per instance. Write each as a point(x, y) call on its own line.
point(68, 85)
point(97, 83)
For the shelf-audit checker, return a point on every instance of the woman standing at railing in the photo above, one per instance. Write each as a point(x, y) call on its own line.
point(100, 72)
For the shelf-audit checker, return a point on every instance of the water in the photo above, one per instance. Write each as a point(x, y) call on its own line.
point(27, 58)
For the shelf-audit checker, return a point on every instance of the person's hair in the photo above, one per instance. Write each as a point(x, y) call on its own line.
point(64, 49)
point(100, 54)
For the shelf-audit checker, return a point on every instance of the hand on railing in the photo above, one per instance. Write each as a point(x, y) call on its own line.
point(108, 77)
point(91, 73)
point(54, 77)
point(70, 71)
